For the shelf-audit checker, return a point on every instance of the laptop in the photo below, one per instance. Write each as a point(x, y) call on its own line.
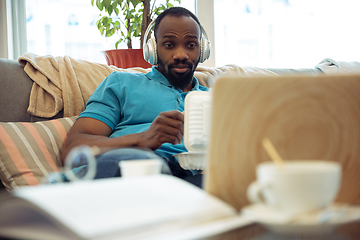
point(305, 118)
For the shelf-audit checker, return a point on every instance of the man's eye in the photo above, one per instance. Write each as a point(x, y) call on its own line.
point(168, 45)
point(192, 45)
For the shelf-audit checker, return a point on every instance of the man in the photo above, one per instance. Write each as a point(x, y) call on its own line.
point(144, 111)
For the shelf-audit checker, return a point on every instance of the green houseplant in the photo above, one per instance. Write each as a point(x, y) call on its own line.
point(128, 19)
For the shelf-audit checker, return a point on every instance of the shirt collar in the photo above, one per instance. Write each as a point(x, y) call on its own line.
point(156, 76)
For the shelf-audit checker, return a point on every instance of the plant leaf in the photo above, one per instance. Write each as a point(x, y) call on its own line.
point(110, 10)
point(117, 25)
point(134, 3)
point(118, 42)
point(99, 5)
point(98, 23)
point(102, 30)
point(104, 20)
point(106, 4)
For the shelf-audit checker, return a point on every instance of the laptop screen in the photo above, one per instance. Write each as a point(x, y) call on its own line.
point(305, 117)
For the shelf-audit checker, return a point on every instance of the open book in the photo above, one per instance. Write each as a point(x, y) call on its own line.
point(150, 207)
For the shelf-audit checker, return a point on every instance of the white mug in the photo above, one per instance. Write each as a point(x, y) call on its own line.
point(296, 186)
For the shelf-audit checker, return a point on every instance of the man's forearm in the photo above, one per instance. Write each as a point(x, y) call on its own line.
point(103, 142)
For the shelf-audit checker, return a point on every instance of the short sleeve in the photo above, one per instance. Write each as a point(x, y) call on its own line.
point(105, 102)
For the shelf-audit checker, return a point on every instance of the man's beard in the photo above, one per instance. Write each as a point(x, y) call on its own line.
point(179, 80)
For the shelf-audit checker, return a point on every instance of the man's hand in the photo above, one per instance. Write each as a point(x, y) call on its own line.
point(168, 127)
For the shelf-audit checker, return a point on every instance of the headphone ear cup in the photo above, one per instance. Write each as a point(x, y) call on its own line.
point(150, 52)
point(204, 49)
point(201, 59)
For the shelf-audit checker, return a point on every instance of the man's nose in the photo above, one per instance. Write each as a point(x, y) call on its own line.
point(180, 54)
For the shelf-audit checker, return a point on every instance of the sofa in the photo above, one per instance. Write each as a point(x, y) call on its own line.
point(16, 119)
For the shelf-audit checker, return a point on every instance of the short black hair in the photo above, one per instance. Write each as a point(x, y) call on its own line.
point(178, 12)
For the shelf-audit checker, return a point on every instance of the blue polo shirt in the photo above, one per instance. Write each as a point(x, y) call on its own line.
point(129, 102)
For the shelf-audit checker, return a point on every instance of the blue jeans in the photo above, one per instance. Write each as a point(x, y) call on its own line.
point(108, 162)
point(107, 165)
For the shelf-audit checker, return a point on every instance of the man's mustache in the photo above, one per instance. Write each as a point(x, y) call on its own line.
point(181, 65)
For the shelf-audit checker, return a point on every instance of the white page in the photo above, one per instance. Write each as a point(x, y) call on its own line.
point(198, 231)
point(106, 207)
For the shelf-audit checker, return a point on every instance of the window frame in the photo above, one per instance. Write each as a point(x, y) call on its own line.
point(13, 28)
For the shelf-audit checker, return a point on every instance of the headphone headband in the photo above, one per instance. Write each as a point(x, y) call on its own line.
point(148, 29)
point(150, 47)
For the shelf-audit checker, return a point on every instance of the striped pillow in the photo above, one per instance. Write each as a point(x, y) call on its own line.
point(30, 151)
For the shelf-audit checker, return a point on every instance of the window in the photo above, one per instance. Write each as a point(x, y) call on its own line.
point(285, 33)
point(261, 33)
point(68, 27)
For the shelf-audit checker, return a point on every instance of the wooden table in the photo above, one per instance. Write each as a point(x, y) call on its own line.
point(349, 231)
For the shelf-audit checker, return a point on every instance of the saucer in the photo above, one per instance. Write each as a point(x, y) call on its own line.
point(311, 223)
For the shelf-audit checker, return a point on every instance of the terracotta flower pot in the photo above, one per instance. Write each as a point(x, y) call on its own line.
point(126, 58)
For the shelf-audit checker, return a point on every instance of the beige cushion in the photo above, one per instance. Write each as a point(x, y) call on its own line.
point(30, 151)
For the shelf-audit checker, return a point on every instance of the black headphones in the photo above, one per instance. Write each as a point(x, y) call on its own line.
point(150, 52)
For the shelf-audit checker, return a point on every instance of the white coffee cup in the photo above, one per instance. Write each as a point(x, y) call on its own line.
point(297, 186)
point(140, 167)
